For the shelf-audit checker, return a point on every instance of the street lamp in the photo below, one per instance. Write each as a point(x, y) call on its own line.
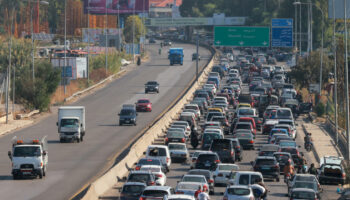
point(321, 52)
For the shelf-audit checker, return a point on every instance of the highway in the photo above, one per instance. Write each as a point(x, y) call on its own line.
point(71, 165)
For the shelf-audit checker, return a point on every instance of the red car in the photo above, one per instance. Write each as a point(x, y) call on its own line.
point(143, 105)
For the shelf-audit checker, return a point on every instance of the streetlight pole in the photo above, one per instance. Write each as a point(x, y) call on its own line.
point(88, 35)
point(133, 35)
point(346, 79)
point(299, 30)
point(335, 79)
point(296, 26)
point(32, 34)
point(65, 45)
point(8, 75)
point(106, 49)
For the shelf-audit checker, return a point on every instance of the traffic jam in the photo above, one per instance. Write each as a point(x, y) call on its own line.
point(236, 137)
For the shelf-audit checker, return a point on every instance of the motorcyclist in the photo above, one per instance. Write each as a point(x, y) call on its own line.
point(288, 169)
point(312, 169)
point(194, 138)
point(308, 140)
point(261, 183)
point(303, 162)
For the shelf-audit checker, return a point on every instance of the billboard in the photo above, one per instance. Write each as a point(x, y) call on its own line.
point(116, 6)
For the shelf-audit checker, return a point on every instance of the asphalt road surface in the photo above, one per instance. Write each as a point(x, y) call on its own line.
point(71, 165)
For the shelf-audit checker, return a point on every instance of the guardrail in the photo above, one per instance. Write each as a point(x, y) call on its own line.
point(342, 139)
point(135, 149)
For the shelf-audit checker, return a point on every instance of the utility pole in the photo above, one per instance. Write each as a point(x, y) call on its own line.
point(65, 46)
point(88, 34)
point(296, 26)
point(300, 30)
point(197, 49)
point(335, 80)
point(106, 50)
point(8, 76)
point(32, 34)
point(133, 35)
point(346, 79)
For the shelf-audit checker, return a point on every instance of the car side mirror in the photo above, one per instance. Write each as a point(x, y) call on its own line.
point(9, 154)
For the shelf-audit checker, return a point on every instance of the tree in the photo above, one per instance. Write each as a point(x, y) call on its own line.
point(128, 30)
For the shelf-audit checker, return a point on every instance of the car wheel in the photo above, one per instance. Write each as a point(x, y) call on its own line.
point(157, 91)
point(78, 140)
point(41, 174)
point(134, 123)
point(44, 171)
point(15, 177)
point(61, 140)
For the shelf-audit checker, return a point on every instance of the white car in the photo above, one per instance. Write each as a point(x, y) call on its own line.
point(157, 171)
point(210, 87)
point(187, 188)
point(234, 192)
point(125, 62)
point(194, 107)
point(198, 179)
point(244, 177)
point(222, 171)
point(178, 151)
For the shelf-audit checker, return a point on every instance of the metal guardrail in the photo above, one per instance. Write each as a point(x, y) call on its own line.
point(342, 139)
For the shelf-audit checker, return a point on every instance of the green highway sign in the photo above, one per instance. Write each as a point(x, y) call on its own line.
point(242, 36)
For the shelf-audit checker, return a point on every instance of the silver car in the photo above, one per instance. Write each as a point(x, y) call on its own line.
point(238, 192)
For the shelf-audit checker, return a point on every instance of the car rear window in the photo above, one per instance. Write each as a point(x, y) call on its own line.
point(289, 150)
point(209, 137)
point(238, 191)
point(155, 193)
point(228, 167)
point(133, 189)
point(243, 126)
point(280, 157)
point(243, 135)
point(244, 179)
point(139, 178)
point(309, 185)
point(157, 152)
point(284, 113)
point(265, 162)
point(198, 179)
point(149, 162)
point(177, 146)
point(207, 157)
point(246, 112)
point(143, 101)
point(175, 134)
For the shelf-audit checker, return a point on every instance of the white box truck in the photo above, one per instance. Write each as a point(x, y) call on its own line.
point(71, 123)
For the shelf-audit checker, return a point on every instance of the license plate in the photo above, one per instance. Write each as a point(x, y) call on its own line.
point(265, 168)
point(207, 164)
point(127, 121)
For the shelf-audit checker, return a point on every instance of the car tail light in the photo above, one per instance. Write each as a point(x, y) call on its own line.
point(232, 153)
point(179, 192)
point(151, 183)
point(237, 147)
point(167, 160)
point(142, 198)
point(276, 166)
point(166, 139)
point(251, 142)
point(211, 181)
point(261, 153)
point(183, 140)
point(343, 175)
point(159, 175)
point(217, 161)
point(220, 174)
point(225, 198)
point(137, 168)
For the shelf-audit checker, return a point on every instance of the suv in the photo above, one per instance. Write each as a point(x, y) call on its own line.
point(331, 170)
point(268, 166)
point(225, 149)
point(127, 115)
point(152, 86)
point(207, 161)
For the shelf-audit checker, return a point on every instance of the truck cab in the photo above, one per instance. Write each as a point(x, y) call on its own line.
point(71, 123)
point(176, 56)
point(29, 158)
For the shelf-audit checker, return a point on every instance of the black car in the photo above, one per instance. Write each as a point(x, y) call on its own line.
point(152, 86)
point(132, 191)
point(283, 158)
point(195, 55)
point(207, 161)
point(225, 149)
point(246, 139)
point(208, 175)
point(128, 115)
point(267, 166)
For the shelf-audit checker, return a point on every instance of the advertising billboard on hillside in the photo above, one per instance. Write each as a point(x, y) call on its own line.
point(116, 6)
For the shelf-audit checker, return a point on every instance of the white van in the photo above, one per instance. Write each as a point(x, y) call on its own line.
point(244, 177)
point(160, 152)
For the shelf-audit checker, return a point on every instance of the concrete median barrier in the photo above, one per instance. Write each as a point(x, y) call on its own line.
point(109, 179)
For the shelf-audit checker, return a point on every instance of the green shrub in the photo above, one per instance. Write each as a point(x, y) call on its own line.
point(320, 109)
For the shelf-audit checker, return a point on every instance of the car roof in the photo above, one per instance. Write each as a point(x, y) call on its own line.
point(134, 183)
point(157, 146)
point(194, 175)
point(157, 188)
point(140, 172)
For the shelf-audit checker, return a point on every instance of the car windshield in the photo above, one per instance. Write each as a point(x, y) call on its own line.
point(310, 185)
point(127, 112)
point(238, 191)
point(288, 144)
point(143, 101)
point(27, 151)
point(69, 123)
point(303, 195)
point(133, 189)
point(155, 193)
point(194, 179)
point(228, 167)
point(176, 146)
point(246, 112)
point(243, 135)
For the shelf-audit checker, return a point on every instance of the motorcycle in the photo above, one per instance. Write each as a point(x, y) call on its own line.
point(308, 146)
point(194, 142)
